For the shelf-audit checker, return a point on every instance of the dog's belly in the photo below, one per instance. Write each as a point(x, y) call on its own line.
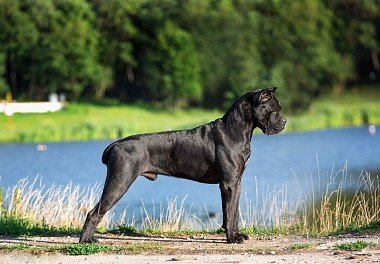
point(187, 162)
point(185, 169)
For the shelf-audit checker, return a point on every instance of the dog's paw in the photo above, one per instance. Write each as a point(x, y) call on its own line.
point(88, 240)
point(239, 239)
point(245, 237)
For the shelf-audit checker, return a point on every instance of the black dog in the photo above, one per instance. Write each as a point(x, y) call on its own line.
point(214, 153)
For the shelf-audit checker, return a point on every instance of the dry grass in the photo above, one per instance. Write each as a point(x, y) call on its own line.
point(336, 201)
point(271, 208)
point(340, 201)
point(58, 206)
point(174, 216)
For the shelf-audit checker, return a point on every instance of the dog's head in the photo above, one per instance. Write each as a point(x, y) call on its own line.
point(267, 111)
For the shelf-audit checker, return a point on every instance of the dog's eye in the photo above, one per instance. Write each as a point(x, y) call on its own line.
point(272, 114)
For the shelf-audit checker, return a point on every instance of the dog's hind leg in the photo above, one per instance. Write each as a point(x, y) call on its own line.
point(119, 179)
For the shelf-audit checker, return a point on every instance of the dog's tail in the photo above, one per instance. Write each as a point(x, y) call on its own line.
point(106, 152)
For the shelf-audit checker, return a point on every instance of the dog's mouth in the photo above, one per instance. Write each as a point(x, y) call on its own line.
point(264, 128)
point(267, 130)
point(272, 130)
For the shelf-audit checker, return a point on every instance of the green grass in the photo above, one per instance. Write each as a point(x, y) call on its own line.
point(299, 246)
point(83, 249)
point(339, 111)
point(127, 230)
point(265, 231)
point(137, 248)
point(14, 247)
point(14, 226)
point(87, 249)
point(353, 246)
point(254, 231)
point(85, 121)
point(373, 226)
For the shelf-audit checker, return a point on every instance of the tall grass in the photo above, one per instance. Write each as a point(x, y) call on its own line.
point(58, 206)
point(173, 216)
point(340, 201)
point(274, 207)
point(333, 202)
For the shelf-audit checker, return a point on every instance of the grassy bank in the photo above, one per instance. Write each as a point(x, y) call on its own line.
point(83, 121)
point(84, 249)
point(342, 203)
point(354, 108)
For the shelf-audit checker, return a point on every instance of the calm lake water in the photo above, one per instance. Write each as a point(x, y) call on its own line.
point(275, 160)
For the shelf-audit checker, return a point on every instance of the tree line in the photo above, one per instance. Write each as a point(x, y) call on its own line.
point(189, 52)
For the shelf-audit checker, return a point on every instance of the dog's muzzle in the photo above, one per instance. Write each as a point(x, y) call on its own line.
point(276, 123)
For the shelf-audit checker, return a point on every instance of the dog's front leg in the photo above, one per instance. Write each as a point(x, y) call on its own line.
point(230, 192)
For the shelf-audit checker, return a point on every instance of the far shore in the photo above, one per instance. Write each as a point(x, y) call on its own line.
point(111, 120)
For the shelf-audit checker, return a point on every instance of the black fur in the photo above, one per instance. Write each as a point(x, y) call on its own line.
point(214, 153)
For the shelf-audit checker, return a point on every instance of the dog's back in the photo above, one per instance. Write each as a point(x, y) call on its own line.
point(171, 153)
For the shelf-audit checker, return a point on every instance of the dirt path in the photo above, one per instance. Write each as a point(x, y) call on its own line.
point(202, 249)
point(315, 257)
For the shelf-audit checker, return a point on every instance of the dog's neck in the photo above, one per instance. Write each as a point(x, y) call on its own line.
point(239, 119)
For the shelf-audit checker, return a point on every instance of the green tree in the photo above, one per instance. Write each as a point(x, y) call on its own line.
point(65, 57)
point(355, 24)
point(114, 22)
point(17, 35)
point(246, 70)
point(179, 53)
point(297, 49)
point(3, 84)
point(225, 38)
point(172, 68)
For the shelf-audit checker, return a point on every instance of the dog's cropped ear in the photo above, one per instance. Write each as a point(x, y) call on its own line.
point(266, 95)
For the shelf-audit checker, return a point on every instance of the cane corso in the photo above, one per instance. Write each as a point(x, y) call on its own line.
point(214, 153)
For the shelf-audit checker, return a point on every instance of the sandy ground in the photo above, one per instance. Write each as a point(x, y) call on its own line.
point(315, 257)
point(203, 249)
